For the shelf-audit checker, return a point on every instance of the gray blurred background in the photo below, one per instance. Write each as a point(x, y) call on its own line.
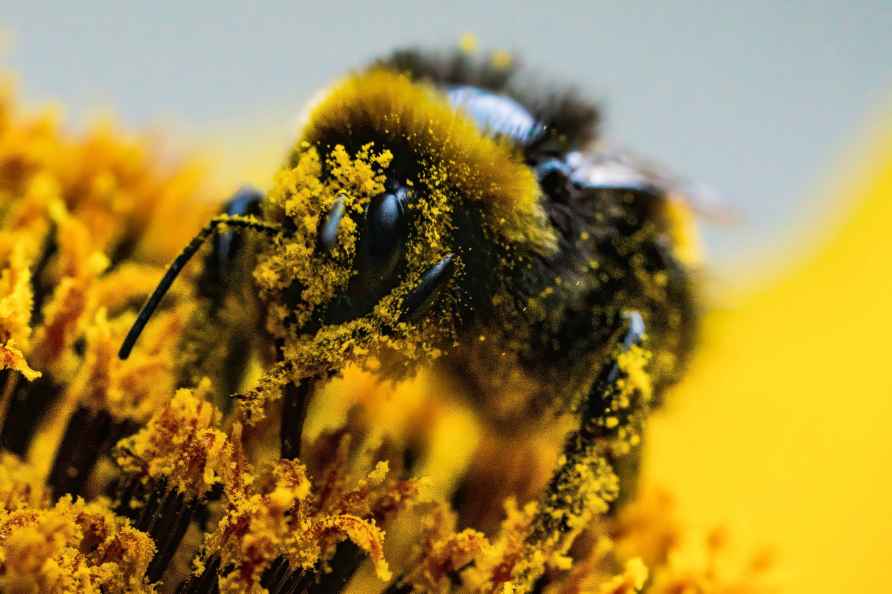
point(760, 99)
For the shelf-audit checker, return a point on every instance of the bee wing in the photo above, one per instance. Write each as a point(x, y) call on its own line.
point(616, 170)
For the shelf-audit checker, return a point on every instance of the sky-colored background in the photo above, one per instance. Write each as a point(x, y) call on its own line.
point(759, 99)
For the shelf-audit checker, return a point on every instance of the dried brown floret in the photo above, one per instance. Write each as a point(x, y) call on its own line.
point(16, 300)
point(442, 552)
point(493, 569)
point(113, 183)
point(72, 547)
point(281, 514)
point(70, 304)
point(133, 389)
point(21, 485)
point(180, 444)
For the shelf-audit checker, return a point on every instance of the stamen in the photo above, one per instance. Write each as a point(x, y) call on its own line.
point(29, 402)
point(165, 516)
point(294, 413)
point(88, 435)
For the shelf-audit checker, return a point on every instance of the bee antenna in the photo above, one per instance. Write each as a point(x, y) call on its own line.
point(213, 226)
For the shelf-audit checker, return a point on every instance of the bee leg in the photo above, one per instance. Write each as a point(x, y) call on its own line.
point(212, 344)
point(420, 299)
point(585, 484)
point(213, 226)
point(245, 202)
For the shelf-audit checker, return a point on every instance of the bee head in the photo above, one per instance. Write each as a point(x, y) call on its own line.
point(400, 214)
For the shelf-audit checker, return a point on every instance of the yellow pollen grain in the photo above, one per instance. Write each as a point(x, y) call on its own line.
point(468, 43)
point(501, 59)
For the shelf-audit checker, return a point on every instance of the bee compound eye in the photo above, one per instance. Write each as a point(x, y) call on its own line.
point(385, 235)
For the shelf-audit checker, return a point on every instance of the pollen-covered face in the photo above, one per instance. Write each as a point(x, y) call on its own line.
point(361, 248)
point(388, 202)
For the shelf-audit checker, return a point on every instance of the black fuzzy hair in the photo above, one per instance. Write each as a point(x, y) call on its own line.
point(571, 123)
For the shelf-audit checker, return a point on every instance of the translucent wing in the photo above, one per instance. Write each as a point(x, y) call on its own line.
point(608, 169)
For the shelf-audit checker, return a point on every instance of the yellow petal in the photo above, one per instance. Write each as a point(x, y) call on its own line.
point(783, 424)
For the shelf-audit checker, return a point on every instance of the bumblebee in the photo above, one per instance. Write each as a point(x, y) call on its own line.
point(437, 209)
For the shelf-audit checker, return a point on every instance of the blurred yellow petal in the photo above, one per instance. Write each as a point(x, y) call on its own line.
point(782, 426)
